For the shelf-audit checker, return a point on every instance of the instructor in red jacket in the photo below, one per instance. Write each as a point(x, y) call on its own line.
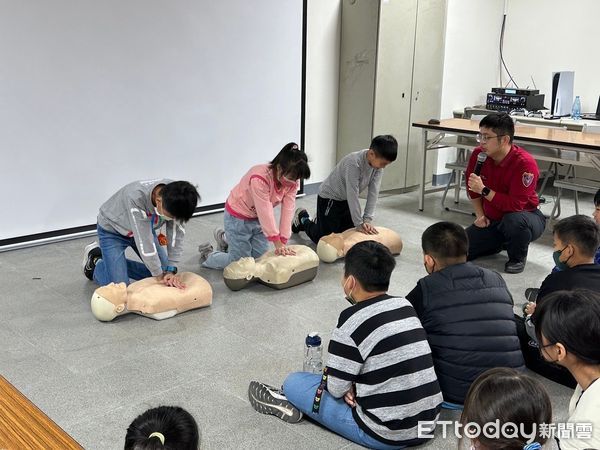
point(503, 195)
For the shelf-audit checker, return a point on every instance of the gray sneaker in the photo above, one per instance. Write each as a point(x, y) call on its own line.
point(270, 400)
point(205, 249)
point(219, 235)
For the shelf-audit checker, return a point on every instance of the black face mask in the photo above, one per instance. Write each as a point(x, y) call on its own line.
point(554, 362)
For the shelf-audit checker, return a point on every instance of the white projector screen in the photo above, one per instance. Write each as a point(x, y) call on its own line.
point(95, 94)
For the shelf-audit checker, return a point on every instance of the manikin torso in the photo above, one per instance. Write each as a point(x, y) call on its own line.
point(278, 272)
point(151, 298)
point(336, 245)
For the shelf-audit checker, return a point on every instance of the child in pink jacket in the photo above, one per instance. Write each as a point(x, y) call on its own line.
point(249, 217)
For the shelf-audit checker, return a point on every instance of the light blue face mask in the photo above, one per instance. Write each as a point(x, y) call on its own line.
point(560, 265)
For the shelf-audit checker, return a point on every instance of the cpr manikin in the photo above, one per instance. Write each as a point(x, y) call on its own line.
point(278, 272)
point(151, 298)
point(336, 245)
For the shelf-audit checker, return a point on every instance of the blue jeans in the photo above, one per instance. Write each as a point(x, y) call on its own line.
point(244, 238)
point(334, 413)
point(113, 267)
point(452, 406)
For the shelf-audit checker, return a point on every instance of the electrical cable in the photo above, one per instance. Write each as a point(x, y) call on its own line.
point(502, 56)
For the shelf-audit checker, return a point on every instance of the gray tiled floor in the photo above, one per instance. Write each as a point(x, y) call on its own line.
point(93, 378)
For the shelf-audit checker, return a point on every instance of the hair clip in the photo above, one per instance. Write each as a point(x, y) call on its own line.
point(158, 435)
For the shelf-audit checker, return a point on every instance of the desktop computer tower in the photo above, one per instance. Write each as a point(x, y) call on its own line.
point(562, 93)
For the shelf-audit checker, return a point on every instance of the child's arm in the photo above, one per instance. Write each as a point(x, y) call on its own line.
point(343, 364)
point(175, 235)
point(141, 227)
point(352, 176)
point(372, 196)
point(259, 190)
point(288, 204)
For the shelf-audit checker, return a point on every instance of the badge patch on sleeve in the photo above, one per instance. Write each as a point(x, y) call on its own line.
point(527, 179)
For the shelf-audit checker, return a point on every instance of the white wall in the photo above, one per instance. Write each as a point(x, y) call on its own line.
point(545, 36)
point(96, 94)
point(322, 75)
point(471, 65)
point(541, 36)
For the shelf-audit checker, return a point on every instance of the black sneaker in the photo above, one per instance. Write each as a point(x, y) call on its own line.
point(297, 226)
point(531, 294)
point(91, 255)
point(269, 400)
point(514, 266)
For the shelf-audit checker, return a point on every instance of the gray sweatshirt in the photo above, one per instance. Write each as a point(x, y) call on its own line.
point(130, 212)
point(349, 178)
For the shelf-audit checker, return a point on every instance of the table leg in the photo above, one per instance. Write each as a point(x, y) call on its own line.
point(423, 167)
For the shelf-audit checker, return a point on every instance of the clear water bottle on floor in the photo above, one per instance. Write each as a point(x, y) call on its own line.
point(313, 354)
point(576, 110)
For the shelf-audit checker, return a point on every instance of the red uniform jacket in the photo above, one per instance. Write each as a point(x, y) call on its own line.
point(514, 180)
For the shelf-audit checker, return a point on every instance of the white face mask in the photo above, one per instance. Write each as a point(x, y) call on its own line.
point(161, 216)
point(349, 294)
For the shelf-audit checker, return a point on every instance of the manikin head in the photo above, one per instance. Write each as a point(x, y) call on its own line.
point(109, 301)
point(331, 247)
point(278, 272)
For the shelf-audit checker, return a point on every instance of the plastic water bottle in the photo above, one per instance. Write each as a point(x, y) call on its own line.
point(313, 354)
point(576, 110)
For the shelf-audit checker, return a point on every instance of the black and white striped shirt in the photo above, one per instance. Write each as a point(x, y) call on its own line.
point(349, 178)
point(380, 346)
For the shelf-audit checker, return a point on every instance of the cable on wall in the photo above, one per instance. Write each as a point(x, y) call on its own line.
point(502, 56)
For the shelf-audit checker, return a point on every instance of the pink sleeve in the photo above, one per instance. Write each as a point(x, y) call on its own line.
point(260, 193)
point(287, 212)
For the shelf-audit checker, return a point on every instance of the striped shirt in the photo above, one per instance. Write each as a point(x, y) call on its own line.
point(380, 346)
point(351, 176)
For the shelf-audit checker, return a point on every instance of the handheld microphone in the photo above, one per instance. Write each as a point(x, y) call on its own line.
point(480, 160)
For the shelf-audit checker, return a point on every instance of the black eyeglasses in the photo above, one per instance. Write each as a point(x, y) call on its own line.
point(542, 347)
point(484, 137)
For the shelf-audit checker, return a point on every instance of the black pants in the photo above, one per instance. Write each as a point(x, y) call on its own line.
point(536, 362)
point(514, 232)
point(333, 216)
